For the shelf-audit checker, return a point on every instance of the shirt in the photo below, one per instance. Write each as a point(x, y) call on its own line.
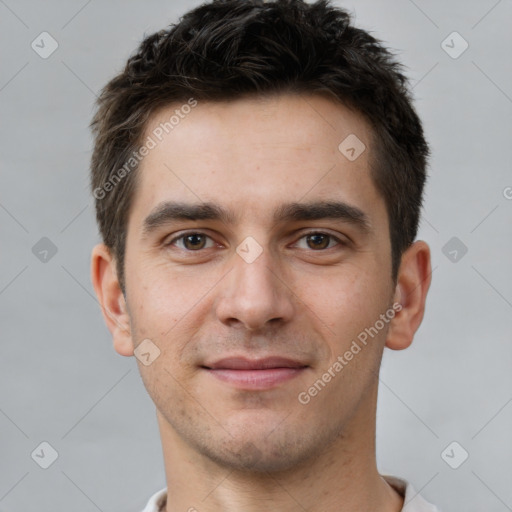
point(413, 502)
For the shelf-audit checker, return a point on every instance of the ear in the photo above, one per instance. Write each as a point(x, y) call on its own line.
point(413, 282)
point(112, 301)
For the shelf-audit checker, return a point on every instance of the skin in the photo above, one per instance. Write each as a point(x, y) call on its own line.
point(227, 449)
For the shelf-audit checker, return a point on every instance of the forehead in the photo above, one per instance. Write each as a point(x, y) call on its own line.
point(253, 154)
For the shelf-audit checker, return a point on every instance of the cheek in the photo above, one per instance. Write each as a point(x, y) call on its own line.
point(346, 304)
point(166, 295)
point(169, 307)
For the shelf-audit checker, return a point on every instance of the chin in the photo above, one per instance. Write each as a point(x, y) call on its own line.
point(268, 451)
point(249, 458)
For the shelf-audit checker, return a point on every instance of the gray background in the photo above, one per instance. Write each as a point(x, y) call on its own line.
point(63, 383)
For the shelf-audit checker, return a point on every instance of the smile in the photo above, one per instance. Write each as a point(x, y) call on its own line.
point(255, 374)
point(255, 379)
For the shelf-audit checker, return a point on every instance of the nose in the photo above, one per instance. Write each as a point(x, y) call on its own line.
point(255, 295)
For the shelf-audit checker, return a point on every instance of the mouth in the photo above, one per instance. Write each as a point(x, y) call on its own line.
point(256, 374)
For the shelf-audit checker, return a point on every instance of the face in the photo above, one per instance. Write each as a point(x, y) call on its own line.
point(253, 298)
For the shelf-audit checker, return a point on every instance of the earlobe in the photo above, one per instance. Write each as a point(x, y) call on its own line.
point(413, 282)
point(113, 305)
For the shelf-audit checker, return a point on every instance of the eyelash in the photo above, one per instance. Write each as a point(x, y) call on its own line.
point(184, 235)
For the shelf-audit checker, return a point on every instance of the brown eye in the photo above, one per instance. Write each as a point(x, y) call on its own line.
point(319, 241)
point(194, 241)
point(191, 241)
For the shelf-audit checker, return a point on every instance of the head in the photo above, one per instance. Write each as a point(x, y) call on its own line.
point(268, 117)
point(231, 49)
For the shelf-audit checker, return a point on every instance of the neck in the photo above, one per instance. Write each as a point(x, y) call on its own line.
point(343, 478)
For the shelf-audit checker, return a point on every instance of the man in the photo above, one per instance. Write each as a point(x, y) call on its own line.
point(258, 172)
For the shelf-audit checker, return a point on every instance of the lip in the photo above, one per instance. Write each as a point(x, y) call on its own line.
point(243, 363)
point(255, 374)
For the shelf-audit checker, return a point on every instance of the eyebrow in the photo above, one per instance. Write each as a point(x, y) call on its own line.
point(168, 211)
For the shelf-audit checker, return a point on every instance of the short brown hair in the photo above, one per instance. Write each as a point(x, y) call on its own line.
point(228, 49)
